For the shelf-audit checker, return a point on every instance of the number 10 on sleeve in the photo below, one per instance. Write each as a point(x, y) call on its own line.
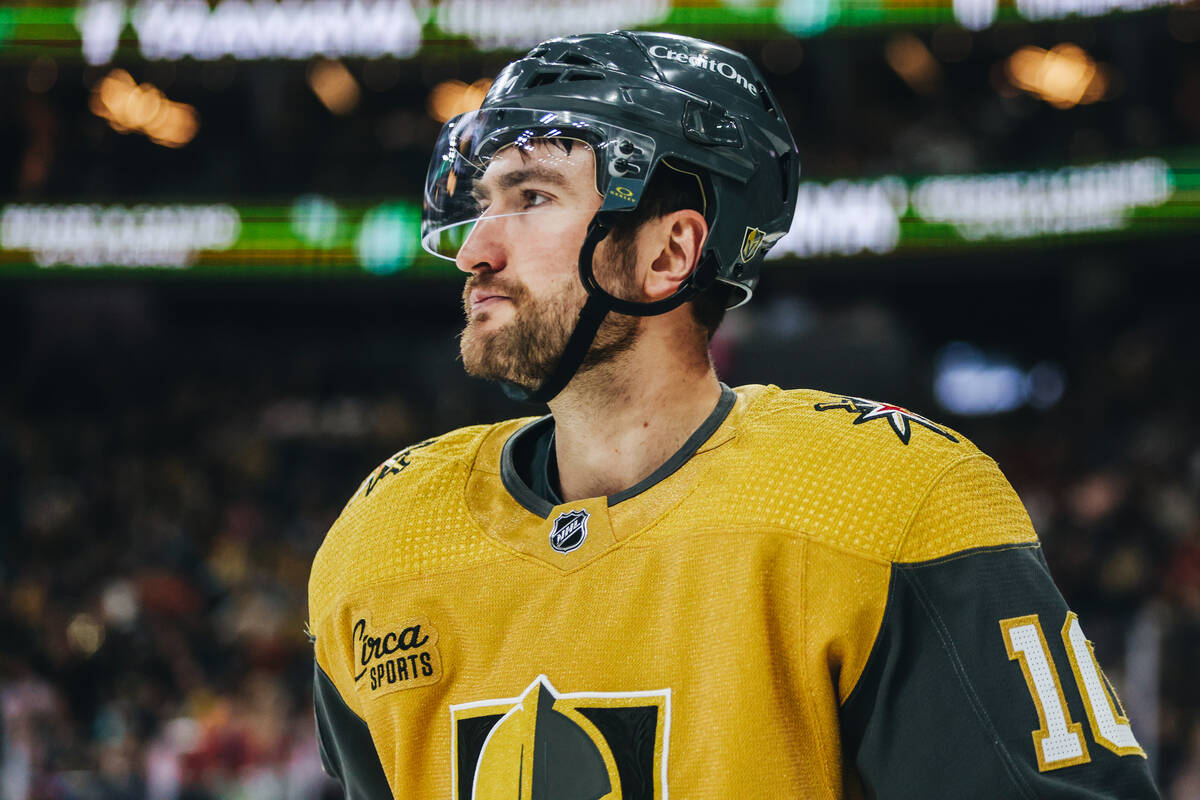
point(1059, 742)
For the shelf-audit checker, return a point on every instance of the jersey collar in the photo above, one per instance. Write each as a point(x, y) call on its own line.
point(512, 515)
point(531, 448)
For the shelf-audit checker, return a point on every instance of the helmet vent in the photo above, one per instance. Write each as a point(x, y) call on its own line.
point(538, 52)
point(580, 75)
point(543, 79)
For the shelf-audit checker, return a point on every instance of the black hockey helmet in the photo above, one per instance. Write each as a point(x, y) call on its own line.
point(638, 100)
point(703, 107)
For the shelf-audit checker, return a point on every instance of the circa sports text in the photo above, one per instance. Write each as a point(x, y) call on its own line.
point(389, 661)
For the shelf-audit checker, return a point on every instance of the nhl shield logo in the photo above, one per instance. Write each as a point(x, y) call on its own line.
point(752, 242)
point(569, 531)
point(550, 745)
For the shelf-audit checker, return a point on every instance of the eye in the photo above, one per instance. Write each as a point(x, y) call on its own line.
point(533, 198)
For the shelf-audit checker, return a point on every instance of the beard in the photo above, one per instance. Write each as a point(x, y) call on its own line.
point(526, 350)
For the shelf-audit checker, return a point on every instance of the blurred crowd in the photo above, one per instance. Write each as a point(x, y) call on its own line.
point(163, 493)
point(153, 600)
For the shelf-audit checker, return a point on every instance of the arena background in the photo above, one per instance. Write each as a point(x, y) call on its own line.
point(215, 319)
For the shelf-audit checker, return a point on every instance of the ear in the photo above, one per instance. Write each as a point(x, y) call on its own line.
point(675, 243)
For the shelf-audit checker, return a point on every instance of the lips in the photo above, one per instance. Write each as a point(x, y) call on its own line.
point(481, 299)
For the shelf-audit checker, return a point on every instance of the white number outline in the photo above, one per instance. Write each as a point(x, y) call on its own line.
point(1106, 716)
point(1110, 726)
point(1057, 732)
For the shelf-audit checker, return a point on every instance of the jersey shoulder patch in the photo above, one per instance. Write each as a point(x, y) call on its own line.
point(408, 515)
point(871, 421)
point(456, 447)
point(866, 475)
point(901, 421)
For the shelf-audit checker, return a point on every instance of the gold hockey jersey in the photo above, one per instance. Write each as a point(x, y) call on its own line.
point(822, 596)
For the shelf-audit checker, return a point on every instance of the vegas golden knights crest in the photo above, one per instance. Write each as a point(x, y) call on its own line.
point(751, 243)
point(545, 745)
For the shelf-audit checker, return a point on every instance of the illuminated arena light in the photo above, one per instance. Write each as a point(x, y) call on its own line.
point(845, 218)
point(911, 60)
point(130, 106)
point(334, 86)
point(94, 235)
point(1058, 9)
point(302, 29)
point(1064, 76)
point(294, 29)
point(960, 213)
point(975, 15)
point(491, 24)
point(451, 98)
point(389, 238)
point(969, 382)
point(1021, 204)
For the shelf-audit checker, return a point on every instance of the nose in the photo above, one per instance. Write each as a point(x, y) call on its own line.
point(485, 249)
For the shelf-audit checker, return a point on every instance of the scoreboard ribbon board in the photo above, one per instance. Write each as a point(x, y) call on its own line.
point(100, 31)
point(314, 235)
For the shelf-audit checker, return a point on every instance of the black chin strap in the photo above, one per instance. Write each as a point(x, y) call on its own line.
point(595, 309)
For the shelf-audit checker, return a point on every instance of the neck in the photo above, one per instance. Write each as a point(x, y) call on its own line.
point(617, 423)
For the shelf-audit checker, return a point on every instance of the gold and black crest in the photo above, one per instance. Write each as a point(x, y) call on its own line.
point(545, 745)
point(752, 242)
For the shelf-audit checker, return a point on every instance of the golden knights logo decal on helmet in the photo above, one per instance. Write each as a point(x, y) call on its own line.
point(569, 531)
point(752, 242)
point(545, 745)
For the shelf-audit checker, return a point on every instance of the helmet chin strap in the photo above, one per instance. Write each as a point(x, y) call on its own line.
point(595, 309)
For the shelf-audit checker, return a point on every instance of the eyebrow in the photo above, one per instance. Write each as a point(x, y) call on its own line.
point(518, 176)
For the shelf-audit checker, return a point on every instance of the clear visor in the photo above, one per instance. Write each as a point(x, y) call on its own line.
point(501, 162)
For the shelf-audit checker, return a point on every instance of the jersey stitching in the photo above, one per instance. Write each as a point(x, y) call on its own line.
point(792, 403)
point(812, 700)
point(974, 551)
point(916, 509)
point(336, 689)
point(790, 533)
point(333, 658)
point(370, 735)
point(878, 643)
point(964, 681)
point(875, 641)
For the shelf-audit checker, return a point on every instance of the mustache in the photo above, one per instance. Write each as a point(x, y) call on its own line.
point(491, 284)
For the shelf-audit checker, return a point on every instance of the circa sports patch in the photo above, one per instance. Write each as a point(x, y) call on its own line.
point(898, 418)
point(547, 745)
point(394, 657)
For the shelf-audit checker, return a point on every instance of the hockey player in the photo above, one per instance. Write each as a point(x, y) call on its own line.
point(667, 586)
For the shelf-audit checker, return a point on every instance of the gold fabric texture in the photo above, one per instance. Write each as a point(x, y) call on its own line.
point(747, 589)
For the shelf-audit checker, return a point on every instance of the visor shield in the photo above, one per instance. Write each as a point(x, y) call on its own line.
point(487, 164)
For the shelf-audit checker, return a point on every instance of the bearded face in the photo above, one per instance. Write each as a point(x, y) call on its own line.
point(524, 295)
point(525, 349)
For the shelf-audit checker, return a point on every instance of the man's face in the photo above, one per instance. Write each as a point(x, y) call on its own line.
point(523, 297)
